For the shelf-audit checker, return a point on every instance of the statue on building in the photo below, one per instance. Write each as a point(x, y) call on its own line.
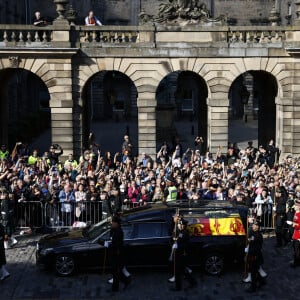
point(145, 19)
point(182, 12)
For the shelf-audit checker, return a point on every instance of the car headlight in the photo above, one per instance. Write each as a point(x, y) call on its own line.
point(46, 251)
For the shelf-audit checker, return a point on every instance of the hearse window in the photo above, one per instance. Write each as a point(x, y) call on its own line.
point(151, 230)
point(128, 231)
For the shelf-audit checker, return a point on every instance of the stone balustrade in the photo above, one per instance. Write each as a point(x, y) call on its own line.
point(24, 34)
point(151, 36)
point(108, 34)
point(256, 35)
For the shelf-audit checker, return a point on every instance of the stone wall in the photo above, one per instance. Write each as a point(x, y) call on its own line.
point(125, 12)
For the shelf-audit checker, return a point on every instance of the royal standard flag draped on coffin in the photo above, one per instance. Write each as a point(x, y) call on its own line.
point(201, 226)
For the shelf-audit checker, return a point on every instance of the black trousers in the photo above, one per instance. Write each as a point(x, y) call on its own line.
point(296, 246)
point(279, 229)
point(117, 273)
point(254, 263)
point(180, 271)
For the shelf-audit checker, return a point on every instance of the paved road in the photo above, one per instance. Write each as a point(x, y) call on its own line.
point(29, 282)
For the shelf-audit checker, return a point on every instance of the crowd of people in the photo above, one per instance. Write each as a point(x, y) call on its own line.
point(251, 177)
point(120, 181)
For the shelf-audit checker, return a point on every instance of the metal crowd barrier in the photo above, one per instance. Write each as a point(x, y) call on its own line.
point(264, 213)
point(61, 215)
point(37, 214)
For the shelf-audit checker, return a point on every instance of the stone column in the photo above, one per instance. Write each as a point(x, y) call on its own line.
point(61, 104)
point(217, 124)
point(286, 128)
point(147, 124)
point(294, 134)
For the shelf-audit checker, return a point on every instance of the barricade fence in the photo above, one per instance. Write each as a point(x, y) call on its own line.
point(59, 215)
point(265, 214)
point(38, 214)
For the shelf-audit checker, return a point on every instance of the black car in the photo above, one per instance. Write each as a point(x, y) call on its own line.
point(216, 230)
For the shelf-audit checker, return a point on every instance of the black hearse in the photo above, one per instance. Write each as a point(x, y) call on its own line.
point(217, 235)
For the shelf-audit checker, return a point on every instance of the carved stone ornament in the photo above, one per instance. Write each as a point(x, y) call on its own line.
point(14, 61)
point(182, 12)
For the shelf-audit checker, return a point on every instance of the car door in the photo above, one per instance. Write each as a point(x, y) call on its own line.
point(150, 245)
point(98, 255)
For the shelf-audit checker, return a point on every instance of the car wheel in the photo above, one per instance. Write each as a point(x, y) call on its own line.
point(64, 265)
point(214, 264)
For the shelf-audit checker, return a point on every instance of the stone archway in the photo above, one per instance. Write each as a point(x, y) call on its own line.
point(109, 102)
point(25, 111)
point(252, 108)
point(181, 108)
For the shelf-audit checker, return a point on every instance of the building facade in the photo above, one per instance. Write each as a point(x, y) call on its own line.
point(126, 12)
point(164, 72)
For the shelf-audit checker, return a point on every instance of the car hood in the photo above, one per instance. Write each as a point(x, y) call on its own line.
point(63, 238)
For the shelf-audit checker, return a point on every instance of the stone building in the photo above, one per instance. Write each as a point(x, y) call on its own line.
point(207, 72)
point(125, 12)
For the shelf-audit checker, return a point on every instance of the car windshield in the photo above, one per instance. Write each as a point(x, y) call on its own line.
point(99, 228)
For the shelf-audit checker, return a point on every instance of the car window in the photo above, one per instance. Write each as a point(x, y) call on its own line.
point(98, 229)
point(128, 231)
point(151, 230)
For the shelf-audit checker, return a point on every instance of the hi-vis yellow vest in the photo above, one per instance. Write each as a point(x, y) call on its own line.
point(172, 193)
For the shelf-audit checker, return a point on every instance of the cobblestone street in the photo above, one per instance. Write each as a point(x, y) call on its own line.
point(29, 282)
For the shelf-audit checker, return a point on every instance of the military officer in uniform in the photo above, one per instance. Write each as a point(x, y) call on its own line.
point(180, 255)
point(254, 249)
point(296, 235)
point(115, 247)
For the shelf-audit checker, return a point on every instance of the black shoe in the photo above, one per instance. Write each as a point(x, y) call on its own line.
point(110, 281)
point(4, 277)
point(126, 284)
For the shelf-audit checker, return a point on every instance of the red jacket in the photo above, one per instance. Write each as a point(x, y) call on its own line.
point(296, 220)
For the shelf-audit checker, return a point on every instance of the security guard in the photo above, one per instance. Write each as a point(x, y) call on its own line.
point(180, 255)
point(255, 239)
point(170, 193)
point(4, 153)
point(115, 247)
point(34, 158)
